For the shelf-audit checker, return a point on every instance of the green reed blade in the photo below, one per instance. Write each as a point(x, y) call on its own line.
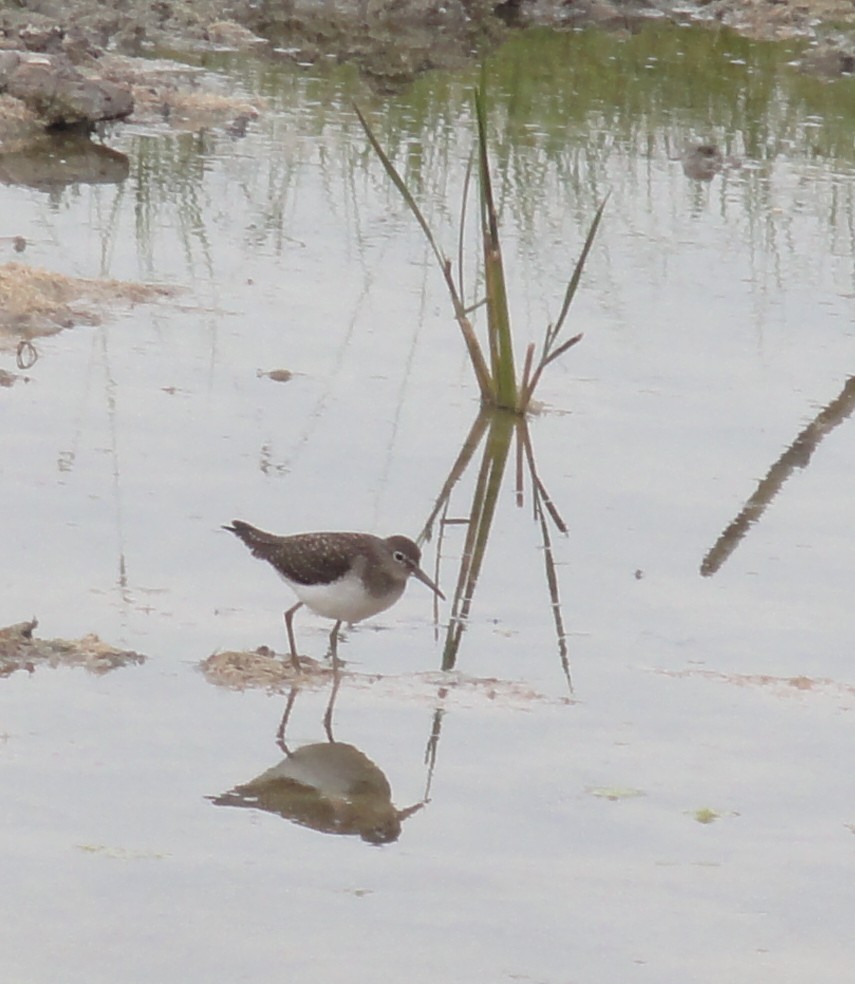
point(498, 316)
point(570, 293)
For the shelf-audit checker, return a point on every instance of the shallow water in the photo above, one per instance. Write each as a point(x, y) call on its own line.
point(562, 838)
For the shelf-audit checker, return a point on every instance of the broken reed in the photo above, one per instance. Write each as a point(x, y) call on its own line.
point(496, 378)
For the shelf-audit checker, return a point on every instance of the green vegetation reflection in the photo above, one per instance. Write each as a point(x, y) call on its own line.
point(570, 115)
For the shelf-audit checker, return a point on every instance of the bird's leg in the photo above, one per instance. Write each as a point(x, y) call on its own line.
point(283, 724)
point(329, 712)
point(289, 615)
point(336, 662)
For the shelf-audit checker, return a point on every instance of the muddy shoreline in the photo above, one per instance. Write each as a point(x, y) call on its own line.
point(391, 42)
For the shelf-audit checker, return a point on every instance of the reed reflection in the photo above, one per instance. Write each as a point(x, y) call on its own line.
point(495, 430)
point(797, 455)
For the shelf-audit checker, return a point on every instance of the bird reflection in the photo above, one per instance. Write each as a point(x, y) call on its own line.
point(703, 162)
point(330, 786)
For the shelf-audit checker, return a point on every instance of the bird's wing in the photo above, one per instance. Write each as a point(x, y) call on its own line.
point(312, 558)
point(306, 558)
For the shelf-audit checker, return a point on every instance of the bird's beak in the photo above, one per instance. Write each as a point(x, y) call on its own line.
point(420, 574)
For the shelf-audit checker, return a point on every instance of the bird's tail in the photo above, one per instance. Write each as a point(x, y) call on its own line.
point(257, 540)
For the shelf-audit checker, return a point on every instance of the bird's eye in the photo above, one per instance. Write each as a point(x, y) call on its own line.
point(400, 557)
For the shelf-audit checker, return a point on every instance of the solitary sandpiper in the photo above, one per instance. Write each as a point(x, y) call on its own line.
point(344, 576)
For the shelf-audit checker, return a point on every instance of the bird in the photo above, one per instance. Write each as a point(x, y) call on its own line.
point(347, 577)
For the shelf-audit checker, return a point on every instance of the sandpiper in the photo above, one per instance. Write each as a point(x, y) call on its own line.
point(343, 576)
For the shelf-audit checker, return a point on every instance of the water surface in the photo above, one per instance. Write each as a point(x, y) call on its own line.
point(562, 840)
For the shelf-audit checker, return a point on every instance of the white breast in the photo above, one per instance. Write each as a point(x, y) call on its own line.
point(345, 600)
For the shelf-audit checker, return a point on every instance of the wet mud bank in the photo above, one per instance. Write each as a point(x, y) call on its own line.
point(390, 40)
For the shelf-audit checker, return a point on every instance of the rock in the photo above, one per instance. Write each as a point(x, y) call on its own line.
point(232, 35)
point(43, 36)
point(9, 61)
point(58, 93)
